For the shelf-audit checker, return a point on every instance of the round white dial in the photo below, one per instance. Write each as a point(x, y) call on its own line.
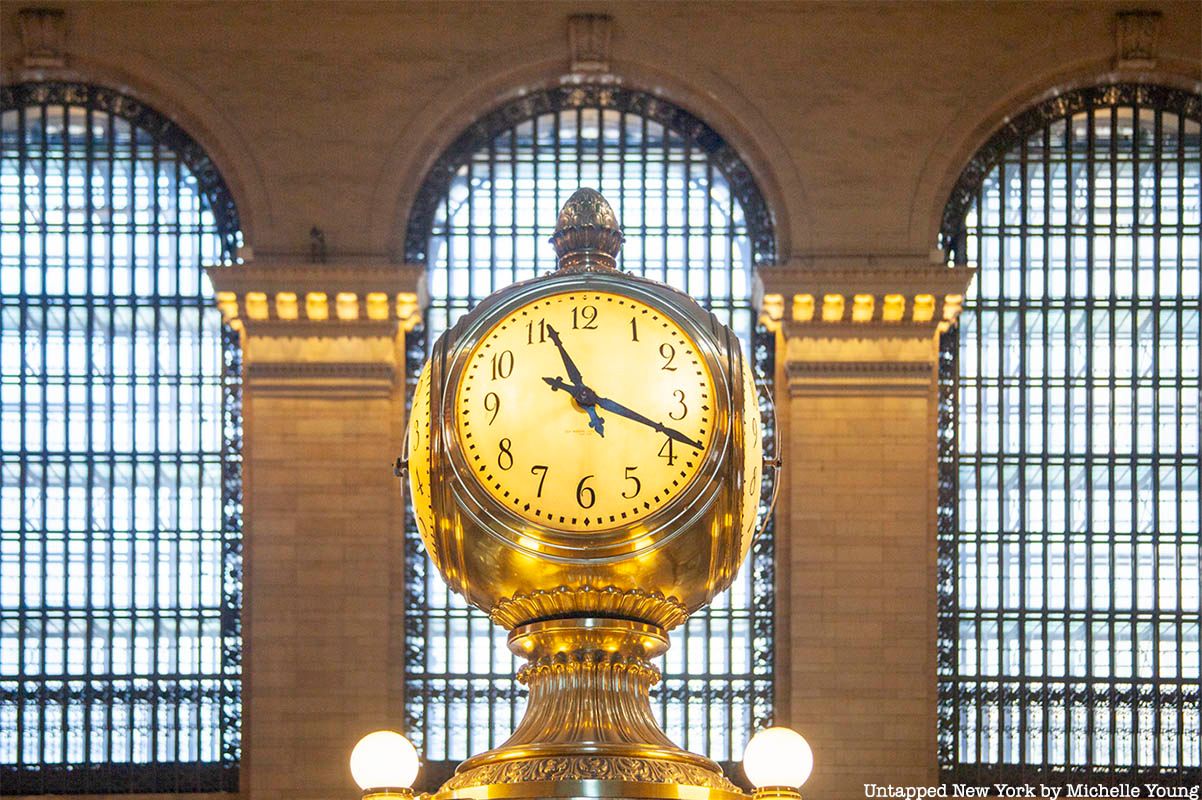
point(585, 411)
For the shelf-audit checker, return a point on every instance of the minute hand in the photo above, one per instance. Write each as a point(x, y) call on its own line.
point(623, 411)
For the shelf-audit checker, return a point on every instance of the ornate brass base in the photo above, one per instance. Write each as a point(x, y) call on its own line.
point(588, 729)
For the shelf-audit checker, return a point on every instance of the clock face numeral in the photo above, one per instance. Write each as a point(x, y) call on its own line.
point(584, 318)
point(669, 355)
point(541, 471)
point(667, 453)
point(638, 485)
point(684, 409)
point(502, 364)
point(585, 496)
point(492, 403)
point(605, 418)
point(536, 332)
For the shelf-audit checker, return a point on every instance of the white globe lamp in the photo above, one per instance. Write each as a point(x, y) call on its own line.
point(384, 764)
point(777, 762)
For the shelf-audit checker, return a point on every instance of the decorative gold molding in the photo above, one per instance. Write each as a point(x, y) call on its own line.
point(563, 665)
point(329, 329)
point(651, 607)
point(902, 299)
point(1137, 39)
point(589, 37)
point(267, 297)
point(43, 37)
point(589, 768)
point(862, 326)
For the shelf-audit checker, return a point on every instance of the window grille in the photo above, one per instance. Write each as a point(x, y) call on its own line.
point(120, 466)
point(1069, 527)
point(693, 217)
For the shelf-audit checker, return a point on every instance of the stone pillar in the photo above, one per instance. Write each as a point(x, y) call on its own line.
point(323, 408)
point(858, 346)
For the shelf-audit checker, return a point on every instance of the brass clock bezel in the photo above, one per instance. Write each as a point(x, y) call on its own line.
point(547, 541)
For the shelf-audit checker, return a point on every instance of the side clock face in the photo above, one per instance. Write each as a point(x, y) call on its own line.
point(585, 411)
point(419, 455)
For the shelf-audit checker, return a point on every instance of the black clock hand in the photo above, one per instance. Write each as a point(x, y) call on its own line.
point(585, 397)
point(671, 433)
point(568, 364)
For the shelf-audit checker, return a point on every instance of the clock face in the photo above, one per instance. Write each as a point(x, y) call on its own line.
point(585, 411)
point(419, 455)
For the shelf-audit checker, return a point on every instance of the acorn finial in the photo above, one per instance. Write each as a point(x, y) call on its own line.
point(587, 236)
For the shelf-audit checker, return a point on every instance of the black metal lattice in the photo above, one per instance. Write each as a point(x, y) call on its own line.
point(693, 217)
point(1068, 572)
point(120, 462)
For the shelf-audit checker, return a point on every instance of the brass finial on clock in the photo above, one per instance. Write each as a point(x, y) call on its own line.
point(587, 236)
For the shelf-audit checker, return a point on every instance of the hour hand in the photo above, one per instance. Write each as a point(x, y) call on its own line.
point(623, 411)
point(568, 364)
point(585, 397)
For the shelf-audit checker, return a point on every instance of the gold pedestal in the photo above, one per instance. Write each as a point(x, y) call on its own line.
point(588, 730)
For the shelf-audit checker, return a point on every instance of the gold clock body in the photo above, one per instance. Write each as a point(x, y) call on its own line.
point(588, 485)
point(659, 565)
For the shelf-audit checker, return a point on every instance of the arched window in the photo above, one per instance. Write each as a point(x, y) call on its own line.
point(693, 217)
point(1069, 539)
point(120, 485)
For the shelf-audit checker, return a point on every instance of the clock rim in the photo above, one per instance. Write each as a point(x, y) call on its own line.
point(616, 542)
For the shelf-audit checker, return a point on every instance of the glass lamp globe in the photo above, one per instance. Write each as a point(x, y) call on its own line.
point(778, 757)
point(384, 759)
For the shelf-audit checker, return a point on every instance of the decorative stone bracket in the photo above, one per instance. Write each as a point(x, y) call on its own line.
point(43, 37)
point(1137, 39)
point(856, 326)
point(589, 38)
point(320, 329)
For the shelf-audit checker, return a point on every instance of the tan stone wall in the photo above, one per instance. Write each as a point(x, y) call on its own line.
point(856, 118)
point(322, 556)
point(861, 573)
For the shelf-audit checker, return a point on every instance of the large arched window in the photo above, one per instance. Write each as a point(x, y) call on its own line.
point(693, 217)
point(120, 500)
point(1069, 542)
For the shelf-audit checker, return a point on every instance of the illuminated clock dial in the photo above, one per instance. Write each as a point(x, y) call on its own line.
point(585, 411)
point(419, 455)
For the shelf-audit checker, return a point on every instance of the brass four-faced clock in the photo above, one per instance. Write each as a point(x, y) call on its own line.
point(583, 418)
point(585, 465)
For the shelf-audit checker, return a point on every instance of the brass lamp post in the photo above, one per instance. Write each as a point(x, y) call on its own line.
point(585, 461)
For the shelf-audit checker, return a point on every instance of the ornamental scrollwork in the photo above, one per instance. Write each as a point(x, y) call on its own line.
point(589, 768)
